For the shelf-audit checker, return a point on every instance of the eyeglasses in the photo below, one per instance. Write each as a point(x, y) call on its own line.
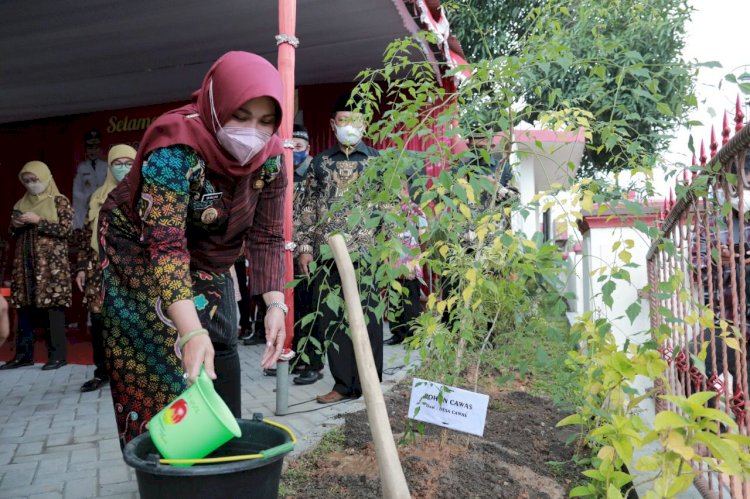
point(123, 163)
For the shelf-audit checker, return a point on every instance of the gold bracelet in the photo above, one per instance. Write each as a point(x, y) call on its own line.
point(189, 336)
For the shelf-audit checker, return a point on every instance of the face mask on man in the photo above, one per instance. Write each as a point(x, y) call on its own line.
point(36, 188)
point(242, 143)
point(119, 171)
point(348, 135)
point(299, 157)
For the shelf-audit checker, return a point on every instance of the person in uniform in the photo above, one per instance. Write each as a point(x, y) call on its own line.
point(90, 175)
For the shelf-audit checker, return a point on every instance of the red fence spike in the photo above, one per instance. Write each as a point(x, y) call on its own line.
point(694, 163)
point(738, 116)
point(714, 146)
point(725, 130)
point(671, 198)
point(703, 157)
point(685, 177)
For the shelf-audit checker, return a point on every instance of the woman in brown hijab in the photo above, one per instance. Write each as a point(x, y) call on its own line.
point(41, 224)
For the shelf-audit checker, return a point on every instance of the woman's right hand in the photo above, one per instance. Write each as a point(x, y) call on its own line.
point(81, 280)
point(197, 352)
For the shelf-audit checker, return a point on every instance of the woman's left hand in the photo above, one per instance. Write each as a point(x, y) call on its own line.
point(29, 218)
point(275, 335)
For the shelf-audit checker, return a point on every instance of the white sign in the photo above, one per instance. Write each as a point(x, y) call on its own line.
point(460, 410)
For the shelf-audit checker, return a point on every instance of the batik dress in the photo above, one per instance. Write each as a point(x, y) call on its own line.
point(188, 231)
point(143, 279)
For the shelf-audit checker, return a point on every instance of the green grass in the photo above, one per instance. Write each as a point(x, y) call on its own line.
point(300, 470)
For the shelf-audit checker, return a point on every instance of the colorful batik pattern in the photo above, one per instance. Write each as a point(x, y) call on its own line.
point(146, 269)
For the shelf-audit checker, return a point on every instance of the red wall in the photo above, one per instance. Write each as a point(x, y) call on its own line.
point(59, 141)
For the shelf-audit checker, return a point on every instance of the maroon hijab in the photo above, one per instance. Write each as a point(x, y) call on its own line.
point(237, 77)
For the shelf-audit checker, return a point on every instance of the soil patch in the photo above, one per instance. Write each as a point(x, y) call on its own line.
point(522, 455)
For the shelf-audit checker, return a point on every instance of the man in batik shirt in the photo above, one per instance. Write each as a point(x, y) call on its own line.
point(330, 175)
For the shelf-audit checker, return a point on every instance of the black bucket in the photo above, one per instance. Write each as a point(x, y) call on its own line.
point(242, 479)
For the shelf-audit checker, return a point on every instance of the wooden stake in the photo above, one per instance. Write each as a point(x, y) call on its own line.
point(391, 474)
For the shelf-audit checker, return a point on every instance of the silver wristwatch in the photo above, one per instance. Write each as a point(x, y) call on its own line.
point(281, 305)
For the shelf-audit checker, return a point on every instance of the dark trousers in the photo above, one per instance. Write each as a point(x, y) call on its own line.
point(53, 319)
point(244, 303)
point(410, 309)
point(222, 329)
point(97, 345)
point(258, 316)
point(304, 296)
point(333, 327)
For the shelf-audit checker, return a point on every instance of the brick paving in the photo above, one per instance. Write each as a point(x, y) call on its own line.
point(56, 442)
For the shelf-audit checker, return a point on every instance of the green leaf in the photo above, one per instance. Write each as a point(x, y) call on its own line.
point(607, 289)
point(333, 301)
point(632, 311)
point(668, 420)
point(664, 109)
point(570, 420)
point(613, 492)
point(680, 484)
point(582, 491)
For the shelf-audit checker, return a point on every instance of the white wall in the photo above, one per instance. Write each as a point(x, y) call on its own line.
point(598, 251)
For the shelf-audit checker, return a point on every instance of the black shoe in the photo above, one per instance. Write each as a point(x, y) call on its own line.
point(393, 340)
point(54, 364)
point(13, 364)
point(246, 335)
point(269, 372)
point(308, 377)
point(254, 340)
point(94, 384)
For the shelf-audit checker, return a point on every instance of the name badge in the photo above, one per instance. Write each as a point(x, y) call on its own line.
point(211, 196)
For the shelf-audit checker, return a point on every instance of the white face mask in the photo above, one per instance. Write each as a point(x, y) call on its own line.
point(348, 135)
point(242, 143)
point(36, 188)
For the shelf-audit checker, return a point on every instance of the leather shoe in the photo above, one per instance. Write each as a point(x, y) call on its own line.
point(269, 371)
point(54, 364)
point(393, 340)
point(330, 397)
point(245, 335)
point(254, 340)
point(308, 377)
point(13, 364)
point(93, 384)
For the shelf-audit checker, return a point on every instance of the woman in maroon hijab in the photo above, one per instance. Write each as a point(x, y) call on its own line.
point(207, 177)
